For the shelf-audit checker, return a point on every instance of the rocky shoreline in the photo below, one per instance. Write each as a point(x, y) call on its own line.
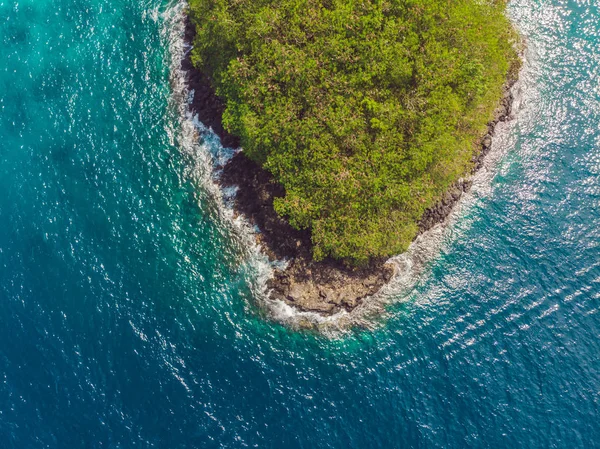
point(325, 287)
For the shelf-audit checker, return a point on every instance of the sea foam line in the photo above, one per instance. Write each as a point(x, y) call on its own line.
point(206, 152)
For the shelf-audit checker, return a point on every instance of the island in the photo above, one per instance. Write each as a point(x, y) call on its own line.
point(360, 122)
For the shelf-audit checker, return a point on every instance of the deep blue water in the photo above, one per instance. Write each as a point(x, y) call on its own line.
point(127, 313)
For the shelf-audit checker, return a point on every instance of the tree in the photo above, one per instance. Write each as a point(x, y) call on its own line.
point(365, 111)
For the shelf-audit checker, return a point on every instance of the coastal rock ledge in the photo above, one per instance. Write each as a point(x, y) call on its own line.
point(326, 287)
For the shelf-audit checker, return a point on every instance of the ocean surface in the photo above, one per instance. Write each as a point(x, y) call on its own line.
point(130, 311)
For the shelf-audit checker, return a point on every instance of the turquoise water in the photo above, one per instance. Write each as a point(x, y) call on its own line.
point(127, 294)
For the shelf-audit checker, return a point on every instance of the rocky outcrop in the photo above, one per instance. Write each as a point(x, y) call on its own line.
point(325, 287)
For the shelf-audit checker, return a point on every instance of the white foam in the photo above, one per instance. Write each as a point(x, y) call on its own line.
point(206, 153)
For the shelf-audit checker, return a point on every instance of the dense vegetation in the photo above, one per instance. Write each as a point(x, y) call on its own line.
point(366, 111)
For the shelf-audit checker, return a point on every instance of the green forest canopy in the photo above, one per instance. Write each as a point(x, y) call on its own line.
point(365, 111)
